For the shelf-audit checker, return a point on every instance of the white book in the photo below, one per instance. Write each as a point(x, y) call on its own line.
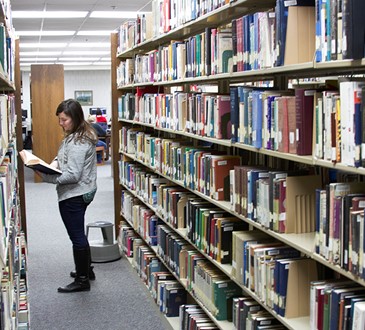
point(359, 316)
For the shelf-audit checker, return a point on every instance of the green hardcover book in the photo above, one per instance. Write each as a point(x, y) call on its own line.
point(224, 291)
point(198, 41)
point(3, 55)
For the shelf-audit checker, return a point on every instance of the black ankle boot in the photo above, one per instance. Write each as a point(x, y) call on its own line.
point(80, 284)
point(82, 263)
point(91, 273)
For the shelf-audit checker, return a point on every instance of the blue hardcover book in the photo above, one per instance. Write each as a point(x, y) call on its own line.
point(358, 127)
point(252, 177)
point(175, 297)
point(255, 40)
point(281, 14)
point(234, 113)
point(153, 223)
point(269, 121)
point(247, 51)
point(257, 119)
point(318, 31)
point(283, 284)
point(328, 30)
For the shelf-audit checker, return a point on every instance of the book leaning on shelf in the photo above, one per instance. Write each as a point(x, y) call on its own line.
point(37, 164)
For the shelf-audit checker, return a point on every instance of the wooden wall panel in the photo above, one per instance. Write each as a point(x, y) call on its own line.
point(47, 91)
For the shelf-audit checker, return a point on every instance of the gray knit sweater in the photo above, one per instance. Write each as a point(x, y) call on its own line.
point(77, 161)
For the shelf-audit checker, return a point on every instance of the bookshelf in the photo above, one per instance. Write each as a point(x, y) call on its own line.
point(160, 128)
point(13, 248)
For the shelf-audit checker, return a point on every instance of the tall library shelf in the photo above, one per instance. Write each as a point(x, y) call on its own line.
point(14, 312)
point(239, 159)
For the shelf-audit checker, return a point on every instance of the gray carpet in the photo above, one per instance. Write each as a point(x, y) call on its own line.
point(117, 300)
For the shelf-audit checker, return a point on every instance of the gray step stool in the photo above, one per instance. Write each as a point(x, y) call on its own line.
point(105, 250)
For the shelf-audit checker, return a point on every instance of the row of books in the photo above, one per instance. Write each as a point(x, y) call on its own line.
point(200, 168)
point(202, 114)
point(247, 313)
point(339, 30)
point(339, 121)
point(281, 201)
point(142, 218)
point(206, 226)
point(327, 124)
point(254, 41)
point(14, 294)
point(166, 15)
point(7, 53)
point(167, 292)
point(337, 304)
point(193, 317)
point(340, 229)
point(245, 44)
point(171, 14)
point(270, 269)
point(134, 32)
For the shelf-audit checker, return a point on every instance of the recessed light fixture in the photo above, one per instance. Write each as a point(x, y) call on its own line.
point(45, 33)
point(95, 33)
point(113, 14)
point(39, 53)
point(80, 53)
point(90, 44)
point(48, 14)
point(42, 45)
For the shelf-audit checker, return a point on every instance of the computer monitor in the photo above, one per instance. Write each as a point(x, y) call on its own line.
point(92, 111)
point(24, 114)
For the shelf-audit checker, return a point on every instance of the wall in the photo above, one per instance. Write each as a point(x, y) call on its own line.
point(97, 81)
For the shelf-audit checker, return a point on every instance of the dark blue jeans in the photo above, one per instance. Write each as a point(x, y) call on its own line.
point(73, 215)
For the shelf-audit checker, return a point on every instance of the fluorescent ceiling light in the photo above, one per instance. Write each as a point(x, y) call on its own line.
point(95, 33)
point(75, 63)
point(43, 45)
point(79, 59)
point(45, 33)
point(114, 14)
point(90, 44)
point(39, 53)
point(48, 14)
point(34, 59)
point(102, 63)
point(79, 53)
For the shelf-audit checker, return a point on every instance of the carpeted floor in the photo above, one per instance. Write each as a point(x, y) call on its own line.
point(118, 300)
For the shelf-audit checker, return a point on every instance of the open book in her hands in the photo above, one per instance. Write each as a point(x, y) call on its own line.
point(35, 163)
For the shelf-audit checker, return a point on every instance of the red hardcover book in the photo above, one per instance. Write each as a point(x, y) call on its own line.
point(223, 116)
point(283, 125)
point(292, 124)
point(239, 28)
point(166, 16)
point(282, 208)
point(304, 104)
point(219, 179)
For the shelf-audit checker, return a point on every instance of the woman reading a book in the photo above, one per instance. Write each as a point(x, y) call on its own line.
point(76, 186)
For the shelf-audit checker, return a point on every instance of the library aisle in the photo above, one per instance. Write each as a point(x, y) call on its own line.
point(118, 300)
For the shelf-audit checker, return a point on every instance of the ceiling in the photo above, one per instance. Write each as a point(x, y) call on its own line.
point(95, 48)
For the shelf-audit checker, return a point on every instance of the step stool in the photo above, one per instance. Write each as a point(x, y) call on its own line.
point(106, 250)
